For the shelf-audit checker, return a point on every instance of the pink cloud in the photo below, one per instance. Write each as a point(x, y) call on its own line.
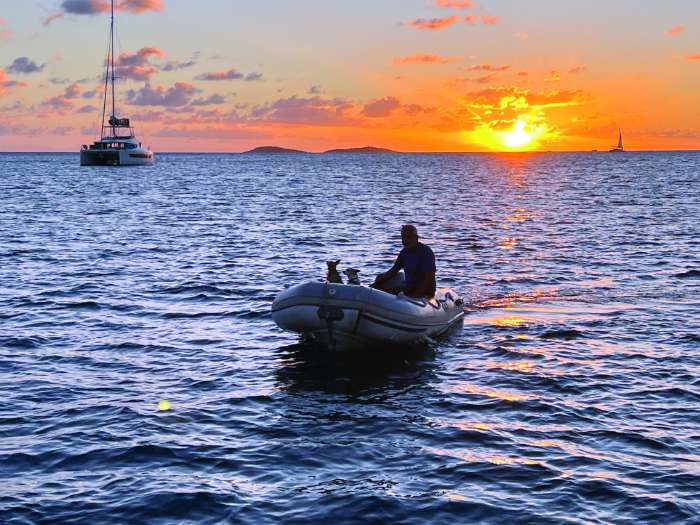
point(490, 20)
point(6, 84)
point(73, 91)
point(433, 23)
point(382, 107)
point(137, 66)
point(424, 59)
point(141, 57)
point(5, 32)
point(675, 30)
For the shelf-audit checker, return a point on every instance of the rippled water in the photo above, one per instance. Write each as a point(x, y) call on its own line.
point(570, 395)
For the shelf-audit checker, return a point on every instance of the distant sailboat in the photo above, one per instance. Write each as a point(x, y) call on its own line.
point(118, 145)
point(620, 145)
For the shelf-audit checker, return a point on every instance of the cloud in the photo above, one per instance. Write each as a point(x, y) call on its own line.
point(488, 67)
point(577, 69)
point(230, 74)
point(52, 18)
point(5, 84)
point(515, 97)
point(693, 58)
point(95, 7)
point(176, 96)
point(86, 109)
point(63, 102)
point(23, 65)
point(382, 107)
point(442, 23)
point(315, 110)
point(175, 65)
point(675, 30)
point(137, 66)
point(315, 90)
point(214, 99)
point(5, 32)
point(424, 59)
point(454, 4)
point(141, 57)
point(73, 91)
point(485, 79)
point(433, 23)
point(553, 76)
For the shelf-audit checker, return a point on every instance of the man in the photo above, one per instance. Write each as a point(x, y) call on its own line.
point(418, 263)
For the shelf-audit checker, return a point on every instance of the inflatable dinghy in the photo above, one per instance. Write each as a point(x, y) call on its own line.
point(350, 316)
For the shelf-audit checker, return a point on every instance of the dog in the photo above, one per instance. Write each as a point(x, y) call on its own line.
point(352, 274)
point(333, 276)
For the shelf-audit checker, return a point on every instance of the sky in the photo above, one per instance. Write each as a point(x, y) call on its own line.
point(410, 75)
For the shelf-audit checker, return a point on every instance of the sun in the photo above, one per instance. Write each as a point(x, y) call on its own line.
point(517, 137)
point(524, 133)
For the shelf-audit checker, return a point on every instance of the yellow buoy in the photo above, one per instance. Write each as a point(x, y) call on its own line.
point(163, 405)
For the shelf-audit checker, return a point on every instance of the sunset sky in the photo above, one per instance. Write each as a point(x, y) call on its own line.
point(411, 75)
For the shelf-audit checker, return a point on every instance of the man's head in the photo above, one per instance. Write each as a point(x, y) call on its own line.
point(409, 236)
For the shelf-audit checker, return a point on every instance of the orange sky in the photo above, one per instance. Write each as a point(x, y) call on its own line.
point(423, 75)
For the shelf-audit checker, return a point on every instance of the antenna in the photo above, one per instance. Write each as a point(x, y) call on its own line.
point(112, 37)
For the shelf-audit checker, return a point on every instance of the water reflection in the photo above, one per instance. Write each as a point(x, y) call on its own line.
point(305, 366)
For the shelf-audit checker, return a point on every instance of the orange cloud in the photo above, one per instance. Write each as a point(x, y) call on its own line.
point(553, 76)
point(577, 69)
point(693, 58)
point(424, 59)
point(433, 23)
point(488, 67)
point(675, 30)
point(454, 4)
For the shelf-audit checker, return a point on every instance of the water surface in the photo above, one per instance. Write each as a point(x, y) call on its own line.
point(570, 395)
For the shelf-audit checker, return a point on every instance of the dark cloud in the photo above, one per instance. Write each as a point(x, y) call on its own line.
point(382, 107)
point(299, 110)
point(230, 74)
point(211, 100)
point(23, 65)
point(176, 96)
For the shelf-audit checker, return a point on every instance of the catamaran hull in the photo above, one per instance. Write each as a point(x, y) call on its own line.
point(134, 157)
point(347, 317)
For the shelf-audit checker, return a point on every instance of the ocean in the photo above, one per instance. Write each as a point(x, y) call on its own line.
point(571, 394)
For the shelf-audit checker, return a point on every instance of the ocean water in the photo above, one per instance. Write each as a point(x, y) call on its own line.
point(570, 395)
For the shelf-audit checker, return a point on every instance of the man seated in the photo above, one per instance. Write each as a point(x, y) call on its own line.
point(418, 263)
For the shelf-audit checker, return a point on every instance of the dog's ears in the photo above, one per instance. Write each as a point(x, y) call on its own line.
point(337, 262)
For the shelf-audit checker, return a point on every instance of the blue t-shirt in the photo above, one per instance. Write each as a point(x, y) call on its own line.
point(416, 263)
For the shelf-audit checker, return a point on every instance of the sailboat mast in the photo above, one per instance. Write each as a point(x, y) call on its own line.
point(112, 47)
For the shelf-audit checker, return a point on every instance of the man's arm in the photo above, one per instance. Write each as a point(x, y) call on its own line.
point(386, 276)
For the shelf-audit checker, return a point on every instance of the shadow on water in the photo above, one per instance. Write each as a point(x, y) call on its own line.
point(309, 367)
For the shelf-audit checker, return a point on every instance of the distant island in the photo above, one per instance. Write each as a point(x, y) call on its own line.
point(274, 149)
point(367, 150)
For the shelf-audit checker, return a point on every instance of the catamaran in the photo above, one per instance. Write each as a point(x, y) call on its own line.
point(620, 146)
point(118, 145)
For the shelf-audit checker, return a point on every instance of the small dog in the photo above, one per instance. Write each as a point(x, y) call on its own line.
point(333, 276)
point(352, 274)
